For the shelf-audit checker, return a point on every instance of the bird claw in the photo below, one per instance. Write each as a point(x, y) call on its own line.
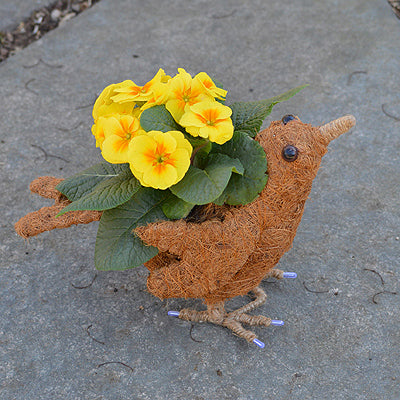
point(259, 343)
point(216, 314)
point(278, 274)
point(291, 275)
point(173, 313)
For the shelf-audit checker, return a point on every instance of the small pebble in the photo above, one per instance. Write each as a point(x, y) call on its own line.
point(55, 14)
point(397, 238)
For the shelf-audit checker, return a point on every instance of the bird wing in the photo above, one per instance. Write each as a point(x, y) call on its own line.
point(208, 253)
point(165, 235)
point(177, 236)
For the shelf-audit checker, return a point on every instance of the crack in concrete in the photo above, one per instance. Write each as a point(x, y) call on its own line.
point(41, 21)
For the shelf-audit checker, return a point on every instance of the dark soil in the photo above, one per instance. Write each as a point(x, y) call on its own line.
point(395, 6)
point(39, 23)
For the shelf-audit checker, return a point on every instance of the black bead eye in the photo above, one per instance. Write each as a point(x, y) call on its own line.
point(287, 118)
point(290, 153)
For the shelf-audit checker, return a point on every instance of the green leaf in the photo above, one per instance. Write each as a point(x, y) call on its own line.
point(107, 194)
point(117, 247)
point(158, 118)
point(248, 116)
point(243, 189)
point(201, 155)
point(84, 182)
point(176, 208)
point(195, 141)
point(203, 186)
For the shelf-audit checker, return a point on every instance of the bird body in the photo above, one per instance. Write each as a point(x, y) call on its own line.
point(225, 257)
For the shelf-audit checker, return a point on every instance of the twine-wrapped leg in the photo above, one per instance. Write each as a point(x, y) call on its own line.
point(260, 299)
point(233, 320)
point(274, 273)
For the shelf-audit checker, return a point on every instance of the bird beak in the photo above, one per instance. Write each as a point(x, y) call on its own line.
point(334, 129)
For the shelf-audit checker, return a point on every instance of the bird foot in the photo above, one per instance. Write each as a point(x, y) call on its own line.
point(233, 320)
point(278, 274)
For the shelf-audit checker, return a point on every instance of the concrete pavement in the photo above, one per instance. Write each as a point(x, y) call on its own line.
point(113, 340)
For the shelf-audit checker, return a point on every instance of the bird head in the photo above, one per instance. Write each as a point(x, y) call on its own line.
point(294, 149)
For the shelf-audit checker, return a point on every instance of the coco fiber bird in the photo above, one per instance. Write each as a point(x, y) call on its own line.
point(231, 253)
point(216, 252)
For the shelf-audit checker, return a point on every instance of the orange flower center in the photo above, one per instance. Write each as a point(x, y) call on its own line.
point(159, 157)
point(209, 117)
point(137, 90)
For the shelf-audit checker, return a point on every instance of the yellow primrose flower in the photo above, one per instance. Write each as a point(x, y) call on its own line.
point(98, 131)
point(209, 119)
point(158, 159)
point(98, 126)
point(184, 92)
point(105, 106)
point(118, 131)
point(210, 86)
point(132, 92)
point(159, 96)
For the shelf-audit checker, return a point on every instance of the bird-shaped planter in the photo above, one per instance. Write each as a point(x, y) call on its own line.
point(214, 250)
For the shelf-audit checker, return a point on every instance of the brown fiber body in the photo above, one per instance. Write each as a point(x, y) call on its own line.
point(216, 260)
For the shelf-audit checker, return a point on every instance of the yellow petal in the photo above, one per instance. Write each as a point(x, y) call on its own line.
point(103, 99)
point(190, 118)
point(105, 106)
point(204, 107)
point(182, 142)
point(98, 132)
point(115, 108)
point(176, 107)
point(112, 127)
point(131, 96)
point(142, 152)
point(193, 130)
point(181, 162)
point(185, 76)
point(177, 87)
point(125, 86)
point(159, 77)
point(206, 130)
point(128, 123)
point(165, 142)
point(221, 133)
point(115, 150)
point(137, 174)
point(210, 86)
point(160, 96)
point(161, 176)
point(130, 91)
